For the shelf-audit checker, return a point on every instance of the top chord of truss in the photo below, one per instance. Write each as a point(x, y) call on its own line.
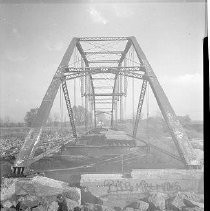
point(102, 38)
point(104, 69)
point(104, 61)
point(103, 52)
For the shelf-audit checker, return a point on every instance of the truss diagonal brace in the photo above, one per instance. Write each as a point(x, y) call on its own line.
point(140, 104)
point(33, 138)
point(177, 132)
point(69, 108)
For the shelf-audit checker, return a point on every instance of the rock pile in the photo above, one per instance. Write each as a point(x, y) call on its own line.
point(38, 193)
point(181, 201)
point(41, 193)
point(10, 144)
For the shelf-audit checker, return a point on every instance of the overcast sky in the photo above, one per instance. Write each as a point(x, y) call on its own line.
point(34, 37)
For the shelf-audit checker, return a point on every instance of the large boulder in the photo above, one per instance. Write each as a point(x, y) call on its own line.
point(142, 206)
point(192, 209)
point(71, 204)
point(53, 206)
point(88, 197)
point(129, 209)
point(178, 201)
point(137, 205)
point(169, 205)
point(28, 201)
point(158, 199)
point(37, 192)
point(8, 188)
point(188, 199)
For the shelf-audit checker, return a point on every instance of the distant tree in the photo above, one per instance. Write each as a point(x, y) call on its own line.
point(79, 115)
point(29, 117)
point(20, 124)
point(49, 120)
point(158, 113)
point(56, 119)
point(7, 121)
point(1, 122)
point(102, 117)
point(185, 120)
point(155, 126)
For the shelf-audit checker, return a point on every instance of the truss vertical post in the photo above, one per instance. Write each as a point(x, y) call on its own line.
point(92, 113)
point(116, 111)
point(69, 108)
point(127, 47)
point(121, 100)
point(177, 132)
point(139, 108)
point(86, 103)
point(133, 115)
point(75, 98)
point(82, 78)
point(79, 47)
point(125, 89)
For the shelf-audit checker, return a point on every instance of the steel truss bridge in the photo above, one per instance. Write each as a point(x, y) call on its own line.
point(103, 65)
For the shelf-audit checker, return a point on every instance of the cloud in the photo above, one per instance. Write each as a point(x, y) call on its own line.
point(16, 56)
point(16, 33)
point(122, 11)
point(187, 79)
point(97, 16)
point(185, 93)
point(54, 46)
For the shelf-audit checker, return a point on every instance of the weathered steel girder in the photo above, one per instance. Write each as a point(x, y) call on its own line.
point(69, 108)
point(105, 102)
point(104, 61)
point(139, 108)
point(103, 112)
point(128, 74)
point(102, 38)
point(102, 52)
point(33, 137)
point(108, 94)
point(177, 132)
point(103, 69)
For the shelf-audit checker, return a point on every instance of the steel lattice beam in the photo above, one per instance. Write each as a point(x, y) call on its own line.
point(104, 102)
point(139, 108)
point(102, 38)
point(69, 108)
point(129, 74)
point(104, 61)
point(107, 94)
point(102, 52)
point(103, 112)
point(103, 87)
point(103, 69)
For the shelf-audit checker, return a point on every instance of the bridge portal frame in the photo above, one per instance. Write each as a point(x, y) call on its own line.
point(63, 72)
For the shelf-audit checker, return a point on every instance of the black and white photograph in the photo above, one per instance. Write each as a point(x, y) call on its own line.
point(101, 105)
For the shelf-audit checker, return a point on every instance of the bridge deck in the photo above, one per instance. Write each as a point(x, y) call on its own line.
point(117, 135)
